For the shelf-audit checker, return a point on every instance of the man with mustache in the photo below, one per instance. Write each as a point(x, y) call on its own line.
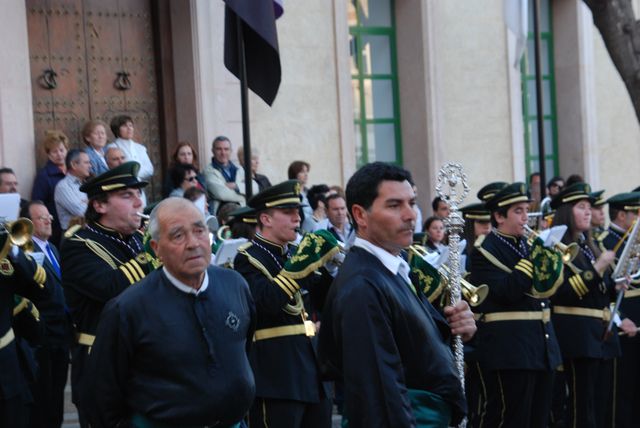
point(172, 350)
point(289, 392)
point(380, 335)
point(101, 260)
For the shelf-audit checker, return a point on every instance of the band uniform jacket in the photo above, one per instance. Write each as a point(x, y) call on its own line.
point(510, 344)
point(583, 287)
point(284, 367)
point(97, 265)
point(381, 339)
point(630, 306)
point(25, 278)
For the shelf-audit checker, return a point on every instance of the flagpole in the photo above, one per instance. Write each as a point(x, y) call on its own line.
point(244, 105)
point(539, 97)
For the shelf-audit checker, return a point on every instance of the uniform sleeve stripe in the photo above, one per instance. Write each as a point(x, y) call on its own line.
point(284, 288)
point(126, 273)
point(135, 264)
point(132, 270)
point(523, 264)
point(524, 271)
point(289, 283)
point(582, 284)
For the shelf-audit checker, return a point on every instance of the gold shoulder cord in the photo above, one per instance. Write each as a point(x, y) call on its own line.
point(292, 309)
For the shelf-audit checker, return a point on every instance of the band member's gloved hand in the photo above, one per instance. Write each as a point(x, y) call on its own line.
point(314, 251)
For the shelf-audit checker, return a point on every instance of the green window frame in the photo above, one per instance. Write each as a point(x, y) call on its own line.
point(374, 118)
point(529, 99)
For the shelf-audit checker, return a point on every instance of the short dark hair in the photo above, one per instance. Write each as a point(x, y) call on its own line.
point(6, 170)
point(72, 156)
point(502, 211)
point(25, 211)
point(333, 196)
point(573, 179)
point(436, 201)
point(316, 194)
point(554, 180)
point(613, 212)
point(220, 138)
point(533, 174)
point(295, 168)
point(91, 215)
point(179, 171)
point(193, 193)
point(362, 188)
point(117, 122)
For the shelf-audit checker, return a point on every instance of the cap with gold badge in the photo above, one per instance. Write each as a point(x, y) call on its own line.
point(597, 200)
point(243, 214)
point(574, 193)
point(489, 191)
point(510, 194)
point(283, 195)
point(625, 201)
point(121, 177)
point(477, 212)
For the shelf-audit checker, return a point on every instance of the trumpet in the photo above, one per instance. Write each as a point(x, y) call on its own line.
point(17, 233)
point(472, 294)
point(568, 252)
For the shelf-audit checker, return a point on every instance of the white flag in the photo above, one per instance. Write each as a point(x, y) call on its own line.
point(516, 20)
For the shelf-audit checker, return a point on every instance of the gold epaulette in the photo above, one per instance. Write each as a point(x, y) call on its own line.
point(72, 230)
point(603, 235)
point(242, 248)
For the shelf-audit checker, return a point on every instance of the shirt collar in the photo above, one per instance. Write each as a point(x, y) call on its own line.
point(42, 244)
point(395, 264)
point(617, 228)
point(184, 287)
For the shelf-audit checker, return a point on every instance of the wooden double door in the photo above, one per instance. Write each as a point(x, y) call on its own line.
point(95, 59)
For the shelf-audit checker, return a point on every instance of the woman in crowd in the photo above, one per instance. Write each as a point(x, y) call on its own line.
point(184, 154)
point(581, 312)
point(123, 130)
point(434, 234)
point(183, 177)
point(299, 170)
point(56, 145)
point(94, 134)
point(259, 181)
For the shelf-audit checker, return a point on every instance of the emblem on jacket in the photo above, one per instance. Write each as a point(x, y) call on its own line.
point(232, 321)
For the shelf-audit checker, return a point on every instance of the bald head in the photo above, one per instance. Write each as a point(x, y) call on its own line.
point(180, 239)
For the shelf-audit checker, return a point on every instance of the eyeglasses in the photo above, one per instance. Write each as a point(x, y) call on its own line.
point(190, 179)
point(45, 217)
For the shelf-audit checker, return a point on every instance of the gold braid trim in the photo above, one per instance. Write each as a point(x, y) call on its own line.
point(313, 266)
point(494, 261)
point(551, 291)
point(20, 306)
point(295, 309)
point(99, 251)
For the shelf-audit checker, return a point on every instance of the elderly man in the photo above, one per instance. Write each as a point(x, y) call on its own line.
point(70, 201)
point(102, 259)
point(220, 175)
point(172, 351)
point(380, 335)
point(114, 156)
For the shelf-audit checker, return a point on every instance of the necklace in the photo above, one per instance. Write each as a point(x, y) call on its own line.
point(523, 251)
point(265, 249)
point(134, 252)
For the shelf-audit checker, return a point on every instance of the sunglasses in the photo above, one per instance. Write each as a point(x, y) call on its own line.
point(190, 179)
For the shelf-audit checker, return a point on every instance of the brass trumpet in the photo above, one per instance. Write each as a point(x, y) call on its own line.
point(17, 233)
point(472, 294)
point(568, 252)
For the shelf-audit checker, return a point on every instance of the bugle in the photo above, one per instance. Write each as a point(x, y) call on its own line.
point(16, 233)
point(568, 252)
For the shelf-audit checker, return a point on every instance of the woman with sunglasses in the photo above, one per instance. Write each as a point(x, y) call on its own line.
point(183, 177)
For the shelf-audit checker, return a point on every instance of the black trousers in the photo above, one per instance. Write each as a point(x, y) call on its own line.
point(514, 398)
point(14, 412)
point(627, 378)
point(272, 413)
point(590, 382)
point(48, 408)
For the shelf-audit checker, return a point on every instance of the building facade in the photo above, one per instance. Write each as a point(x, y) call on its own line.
point(418, 82)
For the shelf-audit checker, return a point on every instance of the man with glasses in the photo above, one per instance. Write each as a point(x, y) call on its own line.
point(101, 260)
point(52, 350)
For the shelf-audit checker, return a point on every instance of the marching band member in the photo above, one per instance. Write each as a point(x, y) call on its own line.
point(580, 314)
point(517, 349)
point(623, 210)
